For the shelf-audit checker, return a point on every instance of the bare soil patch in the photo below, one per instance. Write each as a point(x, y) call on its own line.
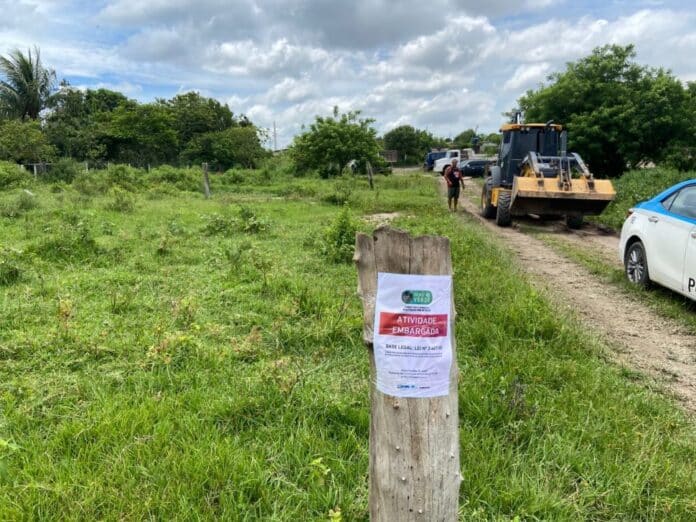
point(641, 339)
point(382, 219)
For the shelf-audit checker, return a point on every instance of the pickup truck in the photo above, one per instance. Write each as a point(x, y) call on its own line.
point(440, 164)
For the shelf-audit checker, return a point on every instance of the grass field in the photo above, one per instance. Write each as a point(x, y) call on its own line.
point(166, 357)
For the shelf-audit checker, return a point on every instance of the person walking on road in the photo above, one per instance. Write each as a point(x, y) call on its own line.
point(453, 177)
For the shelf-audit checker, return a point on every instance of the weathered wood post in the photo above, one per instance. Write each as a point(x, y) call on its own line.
point(414, 442)
point(206, 181)
point(369, 175)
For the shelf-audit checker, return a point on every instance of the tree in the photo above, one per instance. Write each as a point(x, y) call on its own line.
point(23, 142)
point(330, 143)
point(412, 144)
point(78, 122)
point(227, 148)
point(143, 134)
point(618, 112)
point(195, 114)
point(72, 125)
point(405, 140)
point(26, 86)
point(463, 139)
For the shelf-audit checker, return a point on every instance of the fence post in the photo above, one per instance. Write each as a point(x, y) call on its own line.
point(414, 472)
point(206, 181)
point(369, 175)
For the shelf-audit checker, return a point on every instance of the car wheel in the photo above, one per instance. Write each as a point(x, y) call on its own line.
point(636, 264)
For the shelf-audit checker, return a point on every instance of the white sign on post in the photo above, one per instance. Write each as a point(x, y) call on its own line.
point(412, 337)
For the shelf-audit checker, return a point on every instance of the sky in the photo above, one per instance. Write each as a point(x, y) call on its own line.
point(439, 65)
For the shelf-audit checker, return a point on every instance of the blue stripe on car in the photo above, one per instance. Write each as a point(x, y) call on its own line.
point(655, 204)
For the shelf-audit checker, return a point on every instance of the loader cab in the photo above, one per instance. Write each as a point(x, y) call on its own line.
point(519, 139)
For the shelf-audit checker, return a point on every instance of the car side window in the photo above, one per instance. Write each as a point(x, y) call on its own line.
point(684, 202)
point(667, 203)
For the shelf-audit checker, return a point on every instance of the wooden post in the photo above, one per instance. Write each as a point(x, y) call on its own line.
point(369, 175)
point(206, 181)
point(414, 442)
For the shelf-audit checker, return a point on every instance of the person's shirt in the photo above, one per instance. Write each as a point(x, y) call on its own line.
point(452, 176)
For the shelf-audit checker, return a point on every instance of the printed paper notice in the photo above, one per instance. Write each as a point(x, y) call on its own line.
point(412, 343)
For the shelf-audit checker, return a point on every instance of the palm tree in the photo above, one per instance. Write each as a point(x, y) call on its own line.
point(26, 85)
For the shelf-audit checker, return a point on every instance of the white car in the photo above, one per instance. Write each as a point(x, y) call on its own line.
point(658, 240)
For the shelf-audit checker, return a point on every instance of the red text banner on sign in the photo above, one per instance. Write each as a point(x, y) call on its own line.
point(413, 325)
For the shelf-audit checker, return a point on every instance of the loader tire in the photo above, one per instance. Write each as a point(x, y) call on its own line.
point(574, 221)
point(503, 217)
point(487, 208)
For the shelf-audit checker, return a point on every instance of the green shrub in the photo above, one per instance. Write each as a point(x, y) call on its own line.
point(70, 242)
point(339, 238)
point(681, 158)
point(247, 221)
point(120, 200)
point(91, 183)
point(10, 268)
point(234, 176)
point(237, 253)
point(125, 177)
point(217, 224)
point(161, 191)
point(183, 179)
point(636, 186)
point(65, 170)
point(251, 223)
point(23, 203)
point(12, 175)
point(298, 191)
point(343, 189)
point(27, 201)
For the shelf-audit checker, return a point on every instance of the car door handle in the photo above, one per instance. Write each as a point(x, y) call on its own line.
point(693, 234)
point(653, 219)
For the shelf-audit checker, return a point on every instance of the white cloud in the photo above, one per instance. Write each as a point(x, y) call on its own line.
point(277, 59)
point(527, 75)
point(292, 90)
point(457, 44)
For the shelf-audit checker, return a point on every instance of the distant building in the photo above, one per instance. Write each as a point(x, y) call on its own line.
point(390, 156)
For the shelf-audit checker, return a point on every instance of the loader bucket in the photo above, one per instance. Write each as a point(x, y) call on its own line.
point(545, 196)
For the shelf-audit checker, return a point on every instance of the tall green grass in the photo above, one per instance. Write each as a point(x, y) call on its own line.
point(173, 360)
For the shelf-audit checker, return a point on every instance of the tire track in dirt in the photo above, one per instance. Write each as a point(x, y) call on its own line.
point(641, 339)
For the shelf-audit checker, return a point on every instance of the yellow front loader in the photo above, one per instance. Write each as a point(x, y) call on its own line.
point(535, 175)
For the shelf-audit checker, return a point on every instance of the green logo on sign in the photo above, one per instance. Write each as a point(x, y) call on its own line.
point(417, 297)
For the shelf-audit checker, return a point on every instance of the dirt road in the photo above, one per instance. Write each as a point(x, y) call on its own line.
point(641, 339)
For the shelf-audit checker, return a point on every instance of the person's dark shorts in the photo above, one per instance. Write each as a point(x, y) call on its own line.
point(453, 192)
